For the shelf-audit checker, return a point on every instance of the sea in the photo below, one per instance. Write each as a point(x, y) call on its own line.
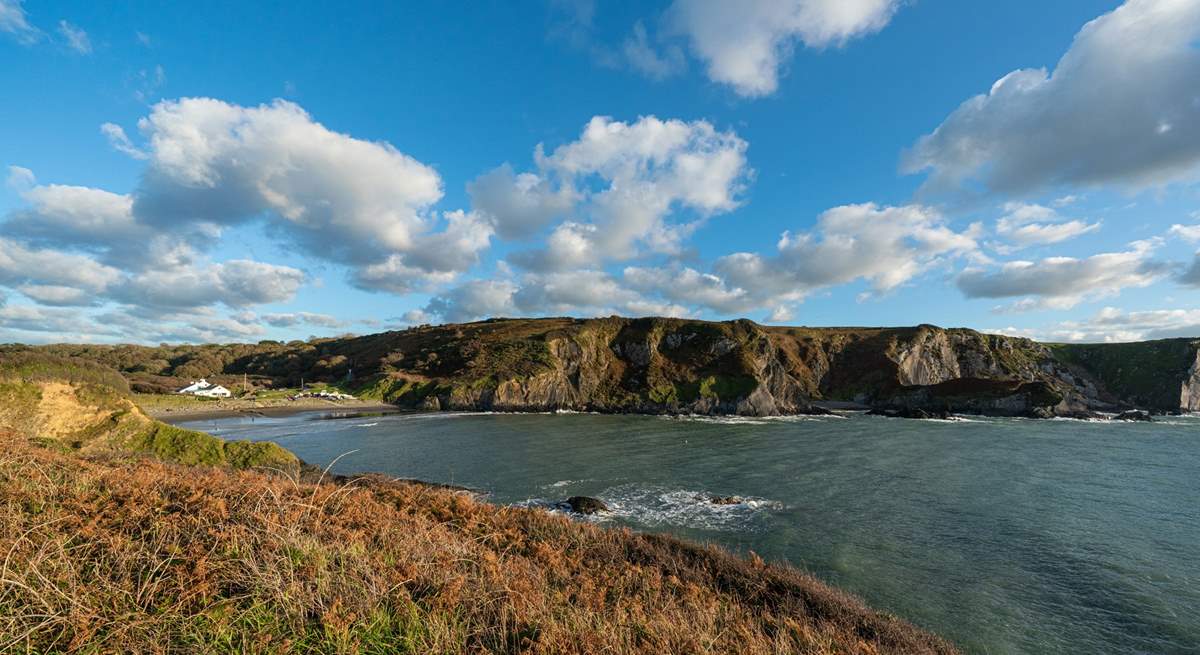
point(1002, 535)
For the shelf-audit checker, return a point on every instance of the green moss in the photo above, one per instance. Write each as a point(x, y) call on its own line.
point(727, 387)
point(173, 444)
point(255, 454)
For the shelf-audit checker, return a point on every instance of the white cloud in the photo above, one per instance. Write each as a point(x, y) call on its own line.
point(1112, 324)
point(20, 179)
point(14, 21)
point(687, 286)
point(293, 319)
point(359, 203)
point(1119, 108)
point(236, 283)
point(77, 39)
point(1029, 224)
point(645, 58)
point(120, 141)
point(886, 246)
point(628, 180)
point(1189, 233)
point(564, 293)
point(23, 265)
point(520, 205)
point(1191, 277)
point(745, 43)
point(58, 295)
point(1063, 282)
point(472, 300)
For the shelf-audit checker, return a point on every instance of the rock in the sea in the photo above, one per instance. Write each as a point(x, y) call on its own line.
point(1133, 415)
point(726, 500)
point(586, 505)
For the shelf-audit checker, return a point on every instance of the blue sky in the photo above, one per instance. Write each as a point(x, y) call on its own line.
point(233, 172)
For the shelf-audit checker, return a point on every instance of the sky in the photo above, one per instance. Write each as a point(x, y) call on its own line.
point(223, 171)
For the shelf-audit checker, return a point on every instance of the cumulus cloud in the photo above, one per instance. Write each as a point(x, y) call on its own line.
point(1026, 225)
point(886, 246)
point(364, 204)
point(687, 286)
point(471, 300)
point(337, 197)
point(744, 44)
point(20, 179)
point(76, 38)
point(58, 295)
point(1112, 324)
point(1063, 282)
point(23, 265)
point(294, 319)
point(623, 183)
point(120, 141)
point(575, 293)
point(1189, 233)
point(15, 22)
point(1119, 108)
point(236, 283)
point(1191, 277)
point(520, 205)
point(648, 59)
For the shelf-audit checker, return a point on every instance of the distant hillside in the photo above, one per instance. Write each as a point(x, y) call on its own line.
point(660, 365)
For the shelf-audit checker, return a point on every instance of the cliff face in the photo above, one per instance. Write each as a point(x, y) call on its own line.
point(1189, 395)
point(657, 365)
point(739, 367)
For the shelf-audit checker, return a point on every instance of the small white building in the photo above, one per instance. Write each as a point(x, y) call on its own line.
point(205, 389)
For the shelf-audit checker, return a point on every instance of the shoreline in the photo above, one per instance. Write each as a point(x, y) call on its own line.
point(173, 416)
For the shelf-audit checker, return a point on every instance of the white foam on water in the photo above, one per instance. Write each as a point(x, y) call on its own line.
point(747, 420)
point(659, 506)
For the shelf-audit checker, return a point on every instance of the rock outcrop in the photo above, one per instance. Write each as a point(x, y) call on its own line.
point(1189, 395)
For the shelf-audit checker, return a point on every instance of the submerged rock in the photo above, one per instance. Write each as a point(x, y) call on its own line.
point(585, 505)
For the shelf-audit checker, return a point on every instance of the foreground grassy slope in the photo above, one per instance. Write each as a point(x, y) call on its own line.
point(77, 405)
point(111, 555)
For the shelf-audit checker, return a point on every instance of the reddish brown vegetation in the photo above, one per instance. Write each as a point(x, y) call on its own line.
point(114, 555)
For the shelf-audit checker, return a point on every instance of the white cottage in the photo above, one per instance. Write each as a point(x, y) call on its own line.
point(205, 389)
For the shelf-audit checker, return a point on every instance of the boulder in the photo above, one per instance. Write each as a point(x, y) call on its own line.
point(586, 505)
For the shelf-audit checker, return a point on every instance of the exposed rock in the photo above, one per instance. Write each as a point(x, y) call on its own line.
point(1189, 395)
point(727, 500)
point(913, 413)
point(1133, 415)
point(586, 505)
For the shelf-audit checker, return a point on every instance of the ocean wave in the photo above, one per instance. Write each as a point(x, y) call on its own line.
point(748, 420)
point(659, 506)
point(366, 425)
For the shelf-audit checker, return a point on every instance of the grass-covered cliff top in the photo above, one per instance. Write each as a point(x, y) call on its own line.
point(75, 405)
